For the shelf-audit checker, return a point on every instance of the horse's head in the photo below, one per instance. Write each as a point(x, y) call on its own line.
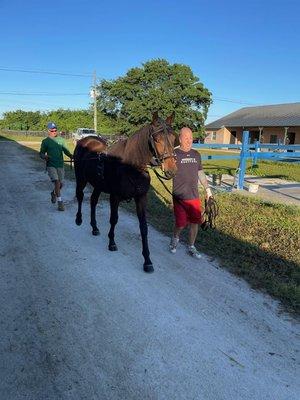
point(161, 142)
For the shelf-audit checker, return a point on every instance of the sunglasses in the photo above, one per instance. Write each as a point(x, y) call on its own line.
point(53, 130)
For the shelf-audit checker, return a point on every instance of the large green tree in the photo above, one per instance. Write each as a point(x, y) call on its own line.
point(156, 86)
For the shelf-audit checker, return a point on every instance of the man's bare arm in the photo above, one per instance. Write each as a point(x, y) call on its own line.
point(203, 180)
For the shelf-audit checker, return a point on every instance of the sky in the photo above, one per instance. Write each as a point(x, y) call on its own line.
point(245, 52)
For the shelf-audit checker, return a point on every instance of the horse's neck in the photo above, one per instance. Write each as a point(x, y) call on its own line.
point(132, 151)
point(117, 149)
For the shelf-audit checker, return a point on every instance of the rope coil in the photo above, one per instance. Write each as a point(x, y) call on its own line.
point(210, 214)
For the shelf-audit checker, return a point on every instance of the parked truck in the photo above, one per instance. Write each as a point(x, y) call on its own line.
point(83, 132)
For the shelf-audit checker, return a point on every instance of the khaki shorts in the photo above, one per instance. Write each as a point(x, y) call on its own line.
point(56, 174)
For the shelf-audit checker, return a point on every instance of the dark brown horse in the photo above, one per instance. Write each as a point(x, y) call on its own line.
point(122, 172)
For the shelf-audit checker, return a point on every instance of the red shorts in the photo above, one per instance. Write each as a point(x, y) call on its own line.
point(187, 212)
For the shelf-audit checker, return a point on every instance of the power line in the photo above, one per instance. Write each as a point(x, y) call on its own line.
point(243, 102)
point(43, 94)
point(234, 101)
point(44, 72)
point(85, 94)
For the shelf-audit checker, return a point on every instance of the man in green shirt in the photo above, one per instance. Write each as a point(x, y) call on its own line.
point(52, 149)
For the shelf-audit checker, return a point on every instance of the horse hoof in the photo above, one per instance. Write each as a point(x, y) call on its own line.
point(148, 268)
point(96, 232)
point(112, 247)
point(78, 221)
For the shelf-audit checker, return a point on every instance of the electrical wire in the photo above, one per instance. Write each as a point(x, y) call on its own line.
point(234, 101)
point(33, 71)
point(43, 94)
point(44, 72)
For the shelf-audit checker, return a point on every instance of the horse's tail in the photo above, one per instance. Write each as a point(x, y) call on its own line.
point(79, 167)
point(78, 156)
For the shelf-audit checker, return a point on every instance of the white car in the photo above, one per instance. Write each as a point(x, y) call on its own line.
point(84, 132)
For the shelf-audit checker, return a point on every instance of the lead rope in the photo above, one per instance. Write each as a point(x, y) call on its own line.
point(210, 214)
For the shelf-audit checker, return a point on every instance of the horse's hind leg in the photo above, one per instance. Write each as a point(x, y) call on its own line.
point(79, 195)
point(114, 206)
point(94, 200)
point(141, 203)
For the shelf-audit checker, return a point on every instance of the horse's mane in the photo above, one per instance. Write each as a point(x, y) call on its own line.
point(134, 150)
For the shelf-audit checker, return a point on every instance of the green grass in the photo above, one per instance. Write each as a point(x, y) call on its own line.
point(22, 138)
point(34, 142)
point(281, 170)
point(257, 240)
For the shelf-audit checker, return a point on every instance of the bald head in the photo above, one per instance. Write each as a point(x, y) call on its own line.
point(185, 131)
point(185, 138)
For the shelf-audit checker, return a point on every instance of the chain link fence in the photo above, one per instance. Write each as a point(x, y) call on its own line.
point(32, 133)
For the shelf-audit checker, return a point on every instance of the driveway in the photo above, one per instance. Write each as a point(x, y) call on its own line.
point(80, 322)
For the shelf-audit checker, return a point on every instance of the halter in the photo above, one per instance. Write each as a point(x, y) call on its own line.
point(158, 159)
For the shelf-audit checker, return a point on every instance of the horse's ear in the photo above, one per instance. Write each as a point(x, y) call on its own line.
point(170, 118)
point(155, 117)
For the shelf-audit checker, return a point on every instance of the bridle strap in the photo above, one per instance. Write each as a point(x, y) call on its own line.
point(157, 158)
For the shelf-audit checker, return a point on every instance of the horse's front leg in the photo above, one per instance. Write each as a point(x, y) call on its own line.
point(141, 203)
point(114, 206)
point(94, 200)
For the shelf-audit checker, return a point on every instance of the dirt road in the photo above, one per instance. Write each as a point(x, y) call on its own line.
point(80, 322)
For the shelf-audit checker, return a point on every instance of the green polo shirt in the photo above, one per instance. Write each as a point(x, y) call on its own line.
point(54, 148)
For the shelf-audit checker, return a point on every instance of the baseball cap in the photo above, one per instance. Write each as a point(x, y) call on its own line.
point(51, 125)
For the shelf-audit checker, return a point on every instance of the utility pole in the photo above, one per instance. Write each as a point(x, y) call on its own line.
point(95, 101)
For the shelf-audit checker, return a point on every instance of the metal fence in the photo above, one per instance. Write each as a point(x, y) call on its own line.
point(32, 133)
point(252, 151)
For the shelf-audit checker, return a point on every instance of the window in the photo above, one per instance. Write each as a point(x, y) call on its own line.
point(214, 136)
point(232, 137)
point(273, 138)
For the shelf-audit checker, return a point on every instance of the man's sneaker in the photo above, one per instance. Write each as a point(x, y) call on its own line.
point(60, 206)
point(173, 245)
point(53, 197)
point(194, 252)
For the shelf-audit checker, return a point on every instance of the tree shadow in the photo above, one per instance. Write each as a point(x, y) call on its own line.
point(4, 138)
